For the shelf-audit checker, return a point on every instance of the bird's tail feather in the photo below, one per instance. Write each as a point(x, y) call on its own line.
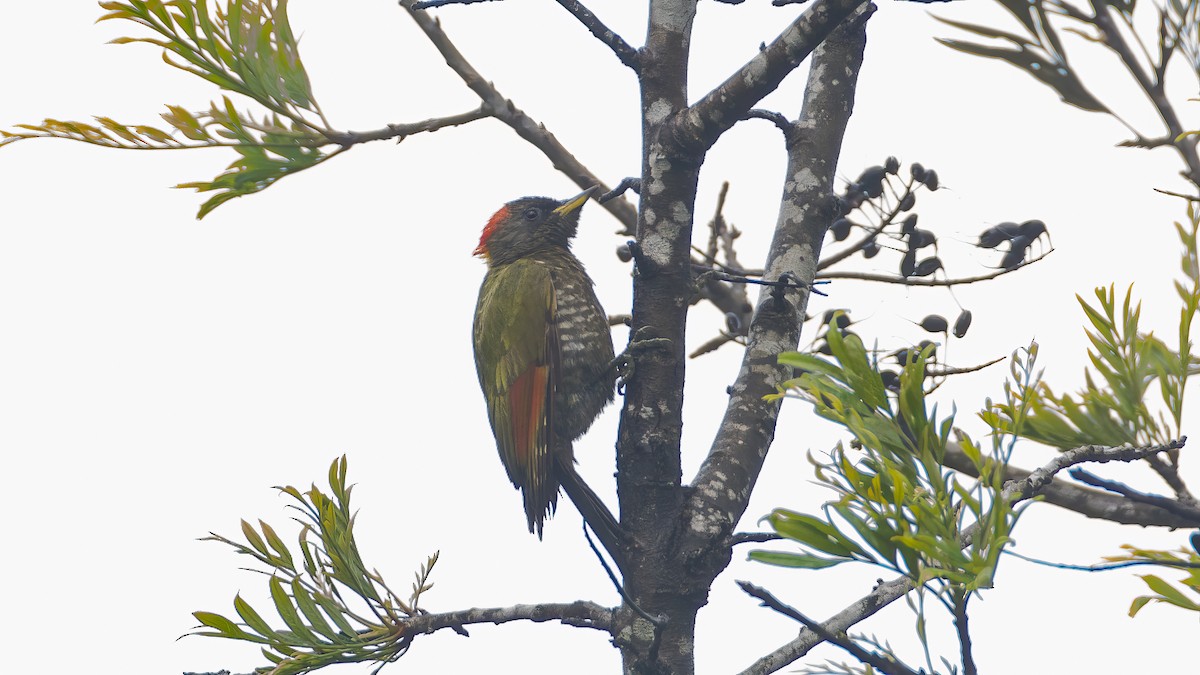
point(593, 510)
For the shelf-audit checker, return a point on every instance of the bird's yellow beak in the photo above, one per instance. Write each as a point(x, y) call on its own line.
point(575, 202)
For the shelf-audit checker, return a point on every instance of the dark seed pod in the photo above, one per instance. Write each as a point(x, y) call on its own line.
point(624, 254)
point(823, 348)
point(927, 266)
point(1016, 253)
point(872, 175)
point(840, 318)
point(840, 229)
point(918, 172)
point(903, 356)
point(1032, 229)
point(934, 324)
point(855, 197)
point(993, 236)
point(908, 264)
point(962, 323)
point(891, 380)
point(908, 224)
point(909, 201)
point(891, 165)
point(928, 348)
point(1195, 538)
point(732, 323)
point(920, 239)
point(870, 249)
point(931, 180)
point(872, 190)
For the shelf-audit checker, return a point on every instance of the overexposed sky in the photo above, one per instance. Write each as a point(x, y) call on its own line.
point(159, 374)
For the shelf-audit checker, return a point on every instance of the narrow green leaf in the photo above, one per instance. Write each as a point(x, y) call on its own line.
point(226, 628)
point(812, 532)
point(1138, 603)
point(797, 560)
point(287, 612)
point(335, 612)
point(253, 620)
point(254, 540)
point(1169, 593)
point(283, 554)
point(308, 607)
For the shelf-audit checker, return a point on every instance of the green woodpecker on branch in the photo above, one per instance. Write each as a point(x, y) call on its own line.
point(544, 354)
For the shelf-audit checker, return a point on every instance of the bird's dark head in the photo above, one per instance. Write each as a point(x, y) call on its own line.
point(530, 224)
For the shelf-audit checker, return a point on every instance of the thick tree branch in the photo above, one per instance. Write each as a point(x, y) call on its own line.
point(1085, 501)
point(722, 107)
point(581, 614)
point(879, 663)
point(649, 472)
point(504, 110)
point(726, 479)
point(628, 55)
point(884, 594)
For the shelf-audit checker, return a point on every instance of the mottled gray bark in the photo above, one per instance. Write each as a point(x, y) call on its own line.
point(679, 534)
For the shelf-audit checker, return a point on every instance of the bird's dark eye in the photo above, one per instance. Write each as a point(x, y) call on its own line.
point(531, 214)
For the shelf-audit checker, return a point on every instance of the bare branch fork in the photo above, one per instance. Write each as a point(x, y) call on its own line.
point(886, 593)
point(883, 665)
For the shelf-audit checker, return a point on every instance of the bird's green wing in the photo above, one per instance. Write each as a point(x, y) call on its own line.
point(516, 355)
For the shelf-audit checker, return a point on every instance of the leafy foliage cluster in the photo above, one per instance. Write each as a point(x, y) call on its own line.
point(245, 47)
point(314, 599)
point(898, 508)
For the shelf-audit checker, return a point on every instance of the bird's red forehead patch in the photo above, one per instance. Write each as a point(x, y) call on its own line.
point(489, 230)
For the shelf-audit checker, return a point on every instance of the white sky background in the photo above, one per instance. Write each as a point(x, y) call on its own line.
point(158, 375)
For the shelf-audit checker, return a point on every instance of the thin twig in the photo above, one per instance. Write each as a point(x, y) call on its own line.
point(792, 282)
point(402, 131)
point(1170, 474)
point(1165, 503)
point(627, 183)
point(909, 281)
point(1106, 567)
point(627, 55)
point(656, 620)
point(885, 219)
point(430, 4)
point(964, 634)
point(945, 371)
point(786, 126)
point(752, 538)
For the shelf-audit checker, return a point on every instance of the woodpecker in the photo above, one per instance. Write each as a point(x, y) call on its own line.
point(543, 352)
